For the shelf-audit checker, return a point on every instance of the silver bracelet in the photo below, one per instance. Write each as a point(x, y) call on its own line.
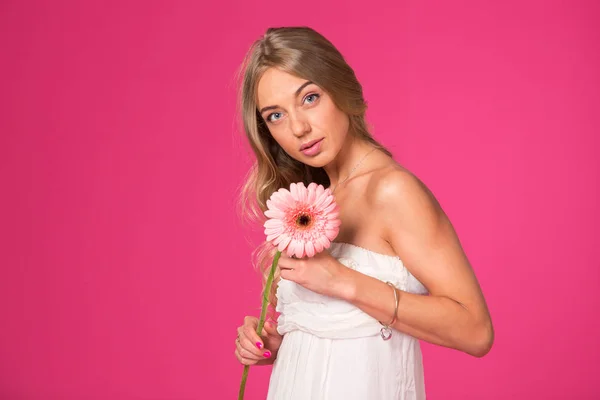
point(386, 331)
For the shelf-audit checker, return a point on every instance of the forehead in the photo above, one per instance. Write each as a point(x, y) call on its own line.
point(275, 87)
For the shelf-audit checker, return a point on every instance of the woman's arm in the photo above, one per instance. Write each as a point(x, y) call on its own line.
point(454, 314)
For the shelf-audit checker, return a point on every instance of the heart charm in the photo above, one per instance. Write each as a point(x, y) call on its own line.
point(386, 333)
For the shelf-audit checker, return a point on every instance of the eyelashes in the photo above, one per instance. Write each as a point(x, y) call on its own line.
point(316, 97)
point(270, 115)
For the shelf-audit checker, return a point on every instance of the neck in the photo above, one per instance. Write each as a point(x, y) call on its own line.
point(350, 154)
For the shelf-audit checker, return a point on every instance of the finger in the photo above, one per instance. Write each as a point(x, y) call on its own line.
point(245, 353)
point(270, 329)
point(291, 263)
point(285, 261)
point(249, 352)
point(243, 360)
point(286, 266)
point(288, 274)
point(249, 328)
point(250, 320)
point(250, 341)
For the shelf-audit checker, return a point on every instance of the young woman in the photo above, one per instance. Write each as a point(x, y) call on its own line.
point(351, 316)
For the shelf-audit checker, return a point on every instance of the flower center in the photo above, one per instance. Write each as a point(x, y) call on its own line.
point(303, 220)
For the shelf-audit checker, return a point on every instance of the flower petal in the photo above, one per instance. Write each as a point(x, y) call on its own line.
point(324, 201)
point(294, 191)
point(318, 246)
point(310, 248)
point(334, 223)
point(275, 213)
point(332, 215)
point(320, 190)
point(324, 242)
point(331, 233)
point(286, 195)
point(270, 238)
point(300, 249)
point(282, 199)
point(330, 208)
point(271, 205)
point(273, 223)
point(291, 249)
point(312, 193)
point(276, 231)
point(278, 239)
point(302, 192)
point(285, 241)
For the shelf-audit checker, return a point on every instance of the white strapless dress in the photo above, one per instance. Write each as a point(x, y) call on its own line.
point(332, 350)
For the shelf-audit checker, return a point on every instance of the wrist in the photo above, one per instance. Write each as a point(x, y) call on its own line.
point(344, 286)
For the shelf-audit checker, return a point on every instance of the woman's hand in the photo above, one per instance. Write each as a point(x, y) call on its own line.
point(321, 273)
point(250, 348)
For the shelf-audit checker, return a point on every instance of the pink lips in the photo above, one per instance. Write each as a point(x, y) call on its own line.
point(314, 149)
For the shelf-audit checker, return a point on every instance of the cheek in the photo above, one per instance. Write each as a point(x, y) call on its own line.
point(334, 121)
point(284, 140)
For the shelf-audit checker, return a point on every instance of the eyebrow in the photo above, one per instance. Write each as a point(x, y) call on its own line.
point(305, 84)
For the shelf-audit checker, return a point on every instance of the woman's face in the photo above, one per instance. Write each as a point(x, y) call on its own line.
point(298, 112)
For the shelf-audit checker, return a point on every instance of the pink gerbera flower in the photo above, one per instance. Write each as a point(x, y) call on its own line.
point(303, 220)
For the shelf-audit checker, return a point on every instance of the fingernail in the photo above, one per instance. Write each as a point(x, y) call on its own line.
point(259, 345)
point(267, 354)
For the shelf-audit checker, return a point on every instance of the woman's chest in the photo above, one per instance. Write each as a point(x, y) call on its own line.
point(362, 225)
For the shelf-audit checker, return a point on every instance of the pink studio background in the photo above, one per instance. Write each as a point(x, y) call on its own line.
point(124, 269)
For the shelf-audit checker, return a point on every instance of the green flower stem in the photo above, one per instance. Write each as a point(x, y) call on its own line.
point(261, 321)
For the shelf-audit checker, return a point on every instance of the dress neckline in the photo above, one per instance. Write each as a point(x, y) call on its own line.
point(367, 250)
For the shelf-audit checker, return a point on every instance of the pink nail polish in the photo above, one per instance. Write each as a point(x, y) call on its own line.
point(267, 354)
point(259, 345)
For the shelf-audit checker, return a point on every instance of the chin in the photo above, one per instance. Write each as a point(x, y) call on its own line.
point(319, 161)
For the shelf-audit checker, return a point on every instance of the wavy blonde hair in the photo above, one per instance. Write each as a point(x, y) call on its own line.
point(302, 52)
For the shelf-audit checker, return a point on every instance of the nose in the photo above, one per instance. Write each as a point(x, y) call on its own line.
point(299, 125)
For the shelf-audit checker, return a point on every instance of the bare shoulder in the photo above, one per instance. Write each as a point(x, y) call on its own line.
point(399, 188)
point(408, 216)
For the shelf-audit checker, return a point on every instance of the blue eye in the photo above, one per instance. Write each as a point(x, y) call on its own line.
point(312, 95)
point(269, 118)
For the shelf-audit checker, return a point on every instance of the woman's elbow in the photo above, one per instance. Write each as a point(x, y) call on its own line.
point(482, 341)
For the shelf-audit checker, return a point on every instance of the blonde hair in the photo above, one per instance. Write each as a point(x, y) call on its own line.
point(302, 52)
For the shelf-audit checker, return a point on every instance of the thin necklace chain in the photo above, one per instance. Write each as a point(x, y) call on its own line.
point(352, 170)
